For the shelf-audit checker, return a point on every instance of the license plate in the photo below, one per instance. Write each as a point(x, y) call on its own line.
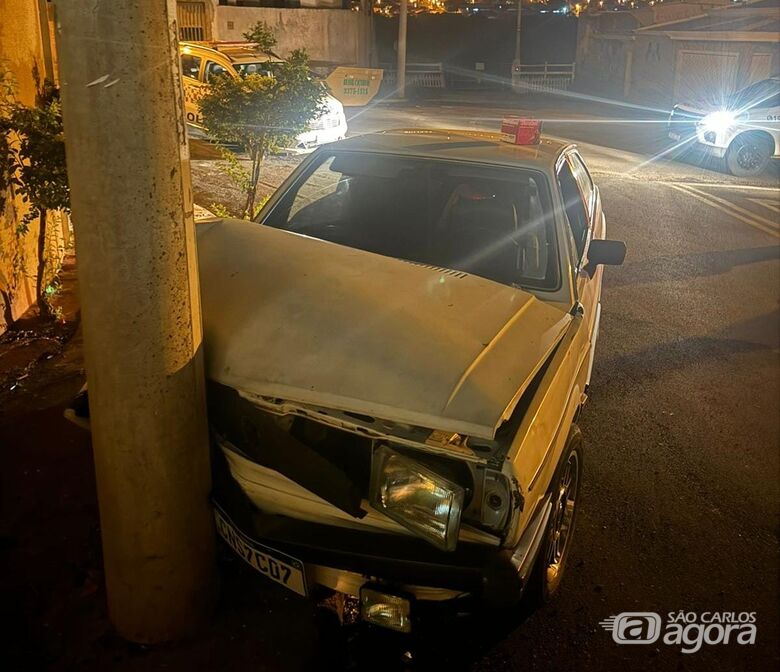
point(273, 564)
point(674, 136)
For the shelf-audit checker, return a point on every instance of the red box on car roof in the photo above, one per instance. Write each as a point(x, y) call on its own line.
point(517, 131)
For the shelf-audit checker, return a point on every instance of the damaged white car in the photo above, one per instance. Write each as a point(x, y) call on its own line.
point(396, 359)
point(397, 353)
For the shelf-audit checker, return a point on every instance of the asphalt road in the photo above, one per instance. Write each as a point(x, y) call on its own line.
point(680, 509)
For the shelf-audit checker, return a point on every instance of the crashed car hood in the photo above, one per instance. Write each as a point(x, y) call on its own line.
point(300, 319)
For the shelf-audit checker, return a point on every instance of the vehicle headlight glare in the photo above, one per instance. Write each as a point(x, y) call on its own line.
point(718, 122)
point(416, 497)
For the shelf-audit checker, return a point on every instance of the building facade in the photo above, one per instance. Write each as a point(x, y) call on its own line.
point(330, 34)
point(678, 53)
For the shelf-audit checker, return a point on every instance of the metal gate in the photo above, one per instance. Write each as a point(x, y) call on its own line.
point(418, 75)
point(193, 25)
point(547, 77)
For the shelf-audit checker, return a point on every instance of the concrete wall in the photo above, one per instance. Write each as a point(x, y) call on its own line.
point(615, 61)
point(604, 44)
point(22, 49)
point(653, 80)
point(653, 68)
point(329, 35)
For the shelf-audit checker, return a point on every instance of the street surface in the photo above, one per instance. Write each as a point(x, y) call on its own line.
point(682, 430)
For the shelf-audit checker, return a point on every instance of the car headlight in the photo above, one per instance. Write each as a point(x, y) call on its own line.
point(718, 122)
point(416, 497)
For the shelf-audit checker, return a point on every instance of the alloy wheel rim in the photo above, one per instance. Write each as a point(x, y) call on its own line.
point(749, 157)
point(564, 505)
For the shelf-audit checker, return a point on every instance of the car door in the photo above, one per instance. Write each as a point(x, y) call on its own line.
point(191, 68)
point(767, 117)
point(215, 69)
point(582, 203)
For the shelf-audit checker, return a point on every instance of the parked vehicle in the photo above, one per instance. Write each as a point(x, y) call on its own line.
point(744, 130)
point(396, 362)
point(202, 61)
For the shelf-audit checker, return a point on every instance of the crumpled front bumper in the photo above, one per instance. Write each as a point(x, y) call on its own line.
point(344, 559)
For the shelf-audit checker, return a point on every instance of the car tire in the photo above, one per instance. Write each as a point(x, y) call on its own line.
point(749, 154)
point(554, 551)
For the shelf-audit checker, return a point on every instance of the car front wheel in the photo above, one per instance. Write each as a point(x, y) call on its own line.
point(748, 154)
point(555, 549)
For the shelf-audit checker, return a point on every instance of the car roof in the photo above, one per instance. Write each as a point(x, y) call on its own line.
point(459, 145)
point(236, 52)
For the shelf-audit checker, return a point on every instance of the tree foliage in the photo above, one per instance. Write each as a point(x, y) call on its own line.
point(32, 163)
point(261, 35)
point(262, 113)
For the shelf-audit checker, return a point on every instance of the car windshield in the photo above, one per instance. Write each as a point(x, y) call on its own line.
point(489, 221)
point(755, 95)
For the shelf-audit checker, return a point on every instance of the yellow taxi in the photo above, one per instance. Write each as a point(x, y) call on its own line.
point(202, 61)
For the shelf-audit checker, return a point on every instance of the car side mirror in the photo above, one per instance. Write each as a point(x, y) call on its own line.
point(608, 252)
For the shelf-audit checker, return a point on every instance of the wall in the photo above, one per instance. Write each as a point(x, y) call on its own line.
point(329, 35)
point(614, 61)
point(652, 76)
point(21, 49)
point(655, 67)
point(604, 46)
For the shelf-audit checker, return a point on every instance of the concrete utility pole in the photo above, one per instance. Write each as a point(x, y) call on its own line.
point(518, 56)
point(128, 166)
point(401, 68)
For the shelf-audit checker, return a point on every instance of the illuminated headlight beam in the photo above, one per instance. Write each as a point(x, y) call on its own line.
point(718, 122)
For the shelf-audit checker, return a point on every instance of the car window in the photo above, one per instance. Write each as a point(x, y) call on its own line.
point(584, 182)
point(576, 212)
point(322, 183)
point(214, 69)
point(771, 101)
point(190, 65)
point(760, 94)
point(493, 222)
point(263, 68)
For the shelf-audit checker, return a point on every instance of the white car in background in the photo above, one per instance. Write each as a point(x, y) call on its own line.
point(744, 130)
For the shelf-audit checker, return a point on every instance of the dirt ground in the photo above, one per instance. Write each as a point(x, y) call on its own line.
point(212, 186)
